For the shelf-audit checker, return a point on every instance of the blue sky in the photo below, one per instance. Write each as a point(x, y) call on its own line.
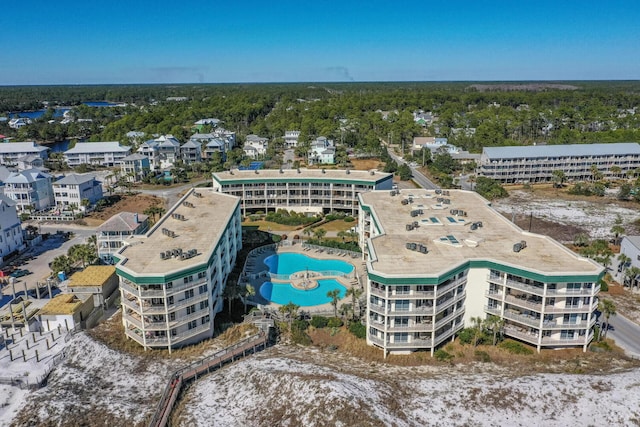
point(139, 41)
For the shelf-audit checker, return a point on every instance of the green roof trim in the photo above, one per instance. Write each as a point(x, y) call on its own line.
point(300, 180)
point(434, 280)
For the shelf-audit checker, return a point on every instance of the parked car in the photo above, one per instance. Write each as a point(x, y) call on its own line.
point(20, 273)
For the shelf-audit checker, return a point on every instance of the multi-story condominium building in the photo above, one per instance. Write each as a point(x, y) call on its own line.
point(10, 152)
point(302, 190)
point(191, 152)
point(135, 167)
point(73, 189)
point(437, 259)
point(11, 238)
point(578, 161)
point(172, 279)
point(291, 138)
point(112, 233)
point(30, 189)
point(96, 153)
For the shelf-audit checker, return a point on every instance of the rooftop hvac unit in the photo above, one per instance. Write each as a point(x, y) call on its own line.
point(393, 193)
point(281, 171)
point(414, 246)
point(162, 255)
point(256, 171)
point(414, 213)
point(404, 202)
point(439, 199)
point(323, 170)
point(445, 192)
point(415, 224)
point(372, 172)
point(408, 245)
point(423, 249)
point(517, 247)
point(409, 227)
point(446, 201)
point(474, 226)
point(438, 191)
point(348, 171)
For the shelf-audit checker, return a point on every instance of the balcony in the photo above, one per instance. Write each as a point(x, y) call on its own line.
point(578, 340)
point(443, 305)
point(448, 318)
point(377, 291)
point(494, 294)
point(524, 302)
point(494, 278)
point(413, 344)
point(584, 308)
point(531, 338)
point(376, 308)
point(574, 292)
point(536, 290)
point(578, 324)
point(416, 327)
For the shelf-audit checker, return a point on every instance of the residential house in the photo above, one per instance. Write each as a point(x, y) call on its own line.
point(149, 149)
point(19, 122)
point(322, 151)
point(255, 146)
point(31, 189)
point(168, 150)
point(200, 124)
point(70, 191)
point(135, 136)
point(291, 138)
point(135, 167)
point(216, 145)
point(112, 234)
point(191, 152)
point(10, 152)
point(422, 118)
point(30, 161)
point(11, 238)
point(227, 136)
point(96, 153)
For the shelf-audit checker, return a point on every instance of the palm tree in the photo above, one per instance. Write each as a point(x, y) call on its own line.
point(617, 230)
point(558, 178)
point(345, 309)
point(616, 171)
point(342, 234)
point(319, 233)
point(249, 291)
point(85, 203)
point(476, 324)
point(608, 309)
point(61, 263)
point(291, 310)
point(231, 292)
point(335, 297)
point(307, 232)
point(495, 324)
point(355, 294)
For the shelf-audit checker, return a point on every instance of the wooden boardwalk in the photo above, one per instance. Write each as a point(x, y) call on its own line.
point(209, 364)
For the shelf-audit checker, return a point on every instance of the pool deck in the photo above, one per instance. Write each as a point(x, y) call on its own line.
point(256, 272)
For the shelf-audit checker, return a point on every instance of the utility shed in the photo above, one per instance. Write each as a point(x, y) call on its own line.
point(99, 281)
point(65, 310)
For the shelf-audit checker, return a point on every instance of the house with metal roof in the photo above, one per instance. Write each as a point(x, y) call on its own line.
point(111, 235)
point(191, 152)
point(578, 162)
point(72, 189)
point(135, 167)
point(149, 149)
point(31, 189)
point(11, 238)
point(255, 146)
point(108, 153)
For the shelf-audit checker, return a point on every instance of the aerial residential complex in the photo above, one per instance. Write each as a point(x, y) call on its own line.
point(96, 153)
point(172, 278)
point(537, 163)
point(12, 151)
point(437, 259)
point(301, 190)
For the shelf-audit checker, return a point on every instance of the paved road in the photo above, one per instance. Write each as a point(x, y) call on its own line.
point(172, 194)
point(625, 333)
point(418, 177)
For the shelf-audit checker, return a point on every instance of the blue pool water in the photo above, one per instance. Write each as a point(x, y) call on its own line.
point(289, 263)
point(284, 293)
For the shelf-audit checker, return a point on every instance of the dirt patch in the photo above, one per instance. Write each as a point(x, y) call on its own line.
point(560, 232)
point(366, 164)
point(127, 203)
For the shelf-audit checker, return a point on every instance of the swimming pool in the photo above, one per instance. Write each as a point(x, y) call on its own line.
point(284, 293)
point(289, 263)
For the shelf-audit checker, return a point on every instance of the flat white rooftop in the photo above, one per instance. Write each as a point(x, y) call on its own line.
point(201, 229)
point(293, 175)
point(451, 241)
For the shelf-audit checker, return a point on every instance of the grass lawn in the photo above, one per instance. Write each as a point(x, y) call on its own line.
point(338, 225)
point(266, 226)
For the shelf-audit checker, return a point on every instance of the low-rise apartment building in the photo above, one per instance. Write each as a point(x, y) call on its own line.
point(578, 162)
point(72, 189)
point(437, 260)
point(172, 278)
point(10, 152)
point(107, 154)
point(301, 190)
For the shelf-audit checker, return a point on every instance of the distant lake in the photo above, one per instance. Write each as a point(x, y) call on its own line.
point(59, 111)
point(59, 146)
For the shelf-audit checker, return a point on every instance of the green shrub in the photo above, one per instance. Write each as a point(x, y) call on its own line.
point(466, 335)
point(482, 356)
point(319, 322)
point(349, 219)
point(300, 325)
point(604, 286)
point(514, 347)
point(358, 329)
point(300, 337)
point(442, 355)
point(334, 322)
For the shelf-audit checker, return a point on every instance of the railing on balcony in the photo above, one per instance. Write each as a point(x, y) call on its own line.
point(529, 337)
point(414, 343)
point(524, 302)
